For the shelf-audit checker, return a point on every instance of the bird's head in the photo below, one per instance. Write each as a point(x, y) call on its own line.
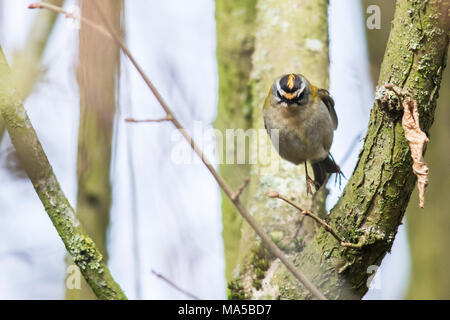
point(290, 90)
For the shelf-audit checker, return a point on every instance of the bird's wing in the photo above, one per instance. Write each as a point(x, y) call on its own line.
point(329, 102)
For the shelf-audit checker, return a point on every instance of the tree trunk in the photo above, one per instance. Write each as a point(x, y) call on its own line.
point(291, 36)
point(97, 79)
point(235, 44)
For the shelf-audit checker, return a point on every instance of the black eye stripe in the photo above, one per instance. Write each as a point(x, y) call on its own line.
point(278, 94)
point(300, 97)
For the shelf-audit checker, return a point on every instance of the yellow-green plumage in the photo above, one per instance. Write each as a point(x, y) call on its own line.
point(301, 128)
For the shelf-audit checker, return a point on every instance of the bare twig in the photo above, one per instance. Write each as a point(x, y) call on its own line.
point(326, 226)
point(173, 285)
point(168, 118)
point(48, 6)
point(271, 246)
point(416, 137)
point(241, 188)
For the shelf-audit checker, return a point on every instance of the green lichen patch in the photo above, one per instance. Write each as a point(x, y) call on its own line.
point(236, 290)
point(85, 254)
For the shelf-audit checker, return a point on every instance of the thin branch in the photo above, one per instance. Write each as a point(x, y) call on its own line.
point(326, 226)
point(241, 189)
point(69, 15)
point(132, 120)
point(176, 287)
point(271, 246)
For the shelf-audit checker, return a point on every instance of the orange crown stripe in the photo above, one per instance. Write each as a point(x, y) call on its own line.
point(290, 82)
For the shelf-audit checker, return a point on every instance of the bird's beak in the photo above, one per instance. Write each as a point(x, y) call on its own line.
point(290, 96)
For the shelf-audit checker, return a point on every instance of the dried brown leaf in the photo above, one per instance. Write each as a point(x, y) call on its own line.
point(417, 142)
point(416, 137)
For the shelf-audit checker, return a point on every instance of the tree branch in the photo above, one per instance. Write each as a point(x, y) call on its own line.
point(132, 120)
point(326, 226)
point(175, 286)
point(241, 189)
point(31, 155)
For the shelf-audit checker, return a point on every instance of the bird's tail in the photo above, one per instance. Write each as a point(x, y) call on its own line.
point(323, 169)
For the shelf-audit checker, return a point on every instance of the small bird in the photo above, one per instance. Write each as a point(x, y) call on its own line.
point(305, 119)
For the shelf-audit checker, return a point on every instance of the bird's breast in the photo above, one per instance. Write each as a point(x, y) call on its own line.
point(301, 134)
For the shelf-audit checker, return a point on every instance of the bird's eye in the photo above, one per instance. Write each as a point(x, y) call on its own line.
point(278, 94)
point(300, 97)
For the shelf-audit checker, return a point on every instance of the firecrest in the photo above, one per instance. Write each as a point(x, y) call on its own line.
point(305, 119)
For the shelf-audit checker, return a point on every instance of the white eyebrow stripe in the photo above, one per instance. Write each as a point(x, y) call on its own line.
point(301, 88)
point(278, 86)
point(297, 92)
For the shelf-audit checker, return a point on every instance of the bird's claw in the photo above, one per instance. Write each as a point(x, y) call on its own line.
point(310, 182)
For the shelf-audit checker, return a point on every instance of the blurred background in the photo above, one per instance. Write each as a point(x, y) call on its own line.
point(148, 213)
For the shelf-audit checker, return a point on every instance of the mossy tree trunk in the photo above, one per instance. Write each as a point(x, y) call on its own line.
point(291, 37)
point(235, 44)
point(97, 80)
point(377, 194)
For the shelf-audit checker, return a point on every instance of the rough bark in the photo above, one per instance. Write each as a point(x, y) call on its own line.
point(376, 196)
point(97, 74)
point(80, 246)
point(26, 67)
point(235, 44)
point(291, 36)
